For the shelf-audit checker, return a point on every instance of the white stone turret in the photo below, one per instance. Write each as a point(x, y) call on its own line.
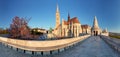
point(105, 32)
point(95, 29)
point(95, 24)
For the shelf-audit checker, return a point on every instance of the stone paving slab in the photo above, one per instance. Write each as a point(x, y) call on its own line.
point(92, 47)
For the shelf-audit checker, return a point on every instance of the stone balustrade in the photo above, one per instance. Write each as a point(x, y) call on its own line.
point(41, 47)
point(111, 42)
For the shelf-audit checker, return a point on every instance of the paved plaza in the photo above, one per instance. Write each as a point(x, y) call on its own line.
point(94, 46)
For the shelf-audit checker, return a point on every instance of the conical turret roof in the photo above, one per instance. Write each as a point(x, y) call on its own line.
point(57, 8)
point(95, 23)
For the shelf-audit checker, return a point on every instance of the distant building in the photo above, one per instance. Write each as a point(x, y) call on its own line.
point(39, 30)
point(105, 32)
point(86, 29)
point(73, 28)
point(69, 28)
point(95, 30)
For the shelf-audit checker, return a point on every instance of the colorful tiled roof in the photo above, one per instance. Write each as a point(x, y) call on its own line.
point(65, 23)
point(85, 26)
point(74, 20)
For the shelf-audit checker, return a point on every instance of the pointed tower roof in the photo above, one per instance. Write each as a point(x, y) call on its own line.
point(106, 30)
point(57, 8)
point(68, 14)
point(95, 23)
point(68, 17)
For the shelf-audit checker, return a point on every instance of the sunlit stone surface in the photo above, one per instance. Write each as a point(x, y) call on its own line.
point(92, 47)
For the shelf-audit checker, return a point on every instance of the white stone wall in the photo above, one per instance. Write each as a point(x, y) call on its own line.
point(77, 29)
point(105, 34)
point(42, 45)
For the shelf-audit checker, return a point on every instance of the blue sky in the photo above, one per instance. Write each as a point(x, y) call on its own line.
point(42, 12)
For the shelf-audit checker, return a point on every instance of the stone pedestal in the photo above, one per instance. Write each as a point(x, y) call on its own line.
point(9, 46)
point(5, 44)
point(14, 48)
point(46, 53)
point(62, 49)
point(38, 53)
point(54, 51)
point(67, 47)
point(28, 52)
point(20, 50)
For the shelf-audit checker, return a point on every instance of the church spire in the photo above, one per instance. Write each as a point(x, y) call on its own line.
point(106, 30)
point(57, 8)
point(68, 16)
point(57, 17)
point(95, 24)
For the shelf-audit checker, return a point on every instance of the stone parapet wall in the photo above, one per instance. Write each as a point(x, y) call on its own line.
point(111, 42)
point(41, 47)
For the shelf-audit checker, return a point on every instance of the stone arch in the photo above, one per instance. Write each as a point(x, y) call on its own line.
point(95, 33)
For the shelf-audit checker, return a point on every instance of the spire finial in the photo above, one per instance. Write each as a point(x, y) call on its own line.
point(62, 19)
point(57, 8)
point(106, 29)
point(68, 16)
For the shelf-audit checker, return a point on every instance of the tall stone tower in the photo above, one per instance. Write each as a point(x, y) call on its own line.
point(95, 29)
point(57, 17)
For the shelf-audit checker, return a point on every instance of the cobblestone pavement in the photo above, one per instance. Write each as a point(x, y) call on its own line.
point(92, 47)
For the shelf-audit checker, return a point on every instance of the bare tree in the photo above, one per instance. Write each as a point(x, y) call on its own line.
point(19, 28)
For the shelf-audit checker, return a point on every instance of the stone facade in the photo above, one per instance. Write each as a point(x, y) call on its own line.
point(105, 32)
point(86, 29)
point(69, 28)
point(73, 28)
point(95, 30)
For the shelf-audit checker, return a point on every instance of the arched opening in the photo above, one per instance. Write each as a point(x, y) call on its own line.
point(64, 32)
point(96, 33)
